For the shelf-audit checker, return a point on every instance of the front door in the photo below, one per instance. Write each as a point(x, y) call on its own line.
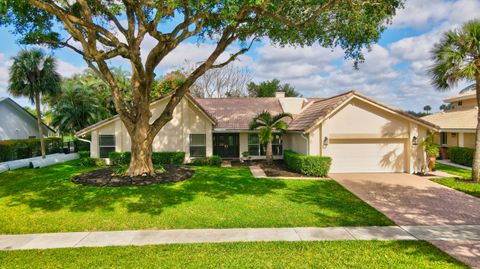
point(226, 145)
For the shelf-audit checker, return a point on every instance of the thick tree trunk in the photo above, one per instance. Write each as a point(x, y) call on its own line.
point(141, 162)
point(269, 152)
point(39, 124)
point(476, 158)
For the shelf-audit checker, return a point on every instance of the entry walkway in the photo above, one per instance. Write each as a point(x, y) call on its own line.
point(149, 237)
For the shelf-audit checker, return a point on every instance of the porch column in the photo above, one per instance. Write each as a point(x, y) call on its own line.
point(461, 139)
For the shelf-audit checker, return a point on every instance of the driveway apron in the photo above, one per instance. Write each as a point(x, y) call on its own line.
point(410, 200)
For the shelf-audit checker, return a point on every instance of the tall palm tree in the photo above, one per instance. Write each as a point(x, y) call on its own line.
point(457, 58)
point(267, 124)
point(34, 74)
point(76, 108)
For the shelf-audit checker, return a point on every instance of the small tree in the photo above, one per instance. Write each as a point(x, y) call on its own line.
point(34, 74)
point(445, 107)
point(267, 125)
point(76, 108)
point(432, 149)
point(457, 58)
point(427, 108)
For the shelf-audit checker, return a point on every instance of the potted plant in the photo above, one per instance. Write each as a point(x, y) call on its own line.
point(245, 156)
point(432, 150)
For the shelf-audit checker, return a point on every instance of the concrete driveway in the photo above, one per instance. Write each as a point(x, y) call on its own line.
point(411, 200)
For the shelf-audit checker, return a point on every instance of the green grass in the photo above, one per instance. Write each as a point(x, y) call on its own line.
point(44, 200)
point(453, 170)
point(466, 187)
point(326, 254)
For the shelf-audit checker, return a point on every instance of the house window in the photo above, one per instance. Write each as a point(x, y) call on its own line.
point(198, 145)
point(443, 138)
point(257, 149)
point(460, 103)
point(106, 145)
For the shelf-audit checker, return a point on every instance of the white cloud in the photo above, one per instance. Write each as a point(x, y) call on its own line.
point(67, 69)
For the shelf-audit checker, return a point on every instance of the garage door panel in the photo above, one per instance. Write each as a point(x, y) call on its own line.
point(367, 157)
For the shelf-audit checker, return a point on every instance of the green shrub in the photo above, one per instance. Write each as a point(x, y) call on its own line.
point(91, 162)
point(172, 157)
point(84, 154)
point(308, 165)
point(463, 156)
point(214, 160)
point(119, 158)
point(27, 148)
point(161, 158)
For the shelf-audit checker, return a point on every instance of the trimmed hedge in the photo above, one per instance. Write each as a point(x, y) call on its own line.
point(463, 156)
point(27, 148)
point(214, 160)
point(123, 158)
point(317, 166)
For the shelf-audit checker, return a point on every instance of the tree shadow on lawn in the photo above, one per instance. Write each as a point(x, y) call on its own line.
point(51, 190)
point(337, 206)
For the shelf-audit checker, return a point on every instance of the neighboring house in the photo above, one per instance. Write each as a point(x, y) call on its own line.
point(18, 123)
point(359, 133)
point(459, 123)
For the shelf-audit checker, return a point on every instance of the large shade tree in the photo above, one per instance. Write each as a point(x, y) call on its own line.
point(103, 30)
point(456, 58)
point(33, 74)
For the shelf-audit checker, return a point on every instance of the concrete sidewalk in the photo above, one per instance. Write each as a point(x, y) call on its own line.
point(448, 162)
point(149, 237)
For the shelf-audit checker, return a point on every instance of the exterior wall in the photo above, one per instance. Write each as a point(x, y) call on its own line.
point(292, 105)
point(17, 124)
point(468, 103)
point(469, 140)
point(359, 122)
point(296, 142)
point(174, 136)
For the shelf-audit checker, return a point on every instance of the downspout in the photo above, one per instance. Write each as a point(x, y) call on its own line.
point(308, 142)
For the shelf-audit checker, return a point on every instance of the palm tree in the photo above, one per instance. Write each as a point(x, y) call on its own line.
point(457, 58)
point(76, 108)
point(427, 108)
point(267, 123)
point(34, 74)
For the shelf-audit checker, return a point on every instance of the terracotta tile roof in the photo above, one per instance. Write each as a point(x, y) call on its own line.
point(457, 119)
point(237, 113)
point(317, 111)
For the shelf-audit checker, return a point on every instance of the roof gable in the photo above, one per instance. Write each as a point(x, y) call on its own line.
point(22, 110)
point(319, 110)
point(164, 98)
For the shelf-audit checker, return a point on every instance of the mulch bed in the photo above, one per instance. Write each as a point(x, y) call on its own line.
point(107, 177)
point(277, 169)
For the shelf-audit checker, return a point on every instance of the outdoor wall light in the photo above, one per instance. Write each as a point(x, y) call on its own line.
point(415, 141)
point(325, 141)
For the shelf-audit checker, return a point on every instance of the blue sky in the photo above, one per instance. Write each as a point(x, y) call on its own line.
point(394, 71)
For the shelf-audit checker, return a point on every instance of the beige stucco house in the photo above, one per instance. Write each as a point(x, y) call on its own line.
point(457, 124)
point(359, 133)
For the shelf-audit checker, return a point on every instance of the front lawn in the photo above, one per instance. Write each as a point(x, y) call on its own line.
point(326, 254)
point(454, 170)
point(44, 200)
point(466, 187)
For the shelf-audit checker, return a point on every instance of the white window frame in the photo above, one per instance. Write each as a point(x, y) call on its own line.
point(444, 138)
point(204, 145)
point(100, 146)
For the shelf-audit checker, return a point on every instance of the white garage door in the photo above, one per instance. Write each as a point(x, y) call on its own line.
point(367, 157)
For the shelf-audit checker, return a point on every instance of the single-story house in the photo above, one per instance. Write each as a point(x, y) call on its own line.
point(458, 124)
point(18, 123)
point(359, 133)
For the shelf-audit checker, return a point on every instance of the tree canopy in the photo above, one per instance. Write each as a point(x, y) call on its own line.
point(269, 88)
point(104, 30)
